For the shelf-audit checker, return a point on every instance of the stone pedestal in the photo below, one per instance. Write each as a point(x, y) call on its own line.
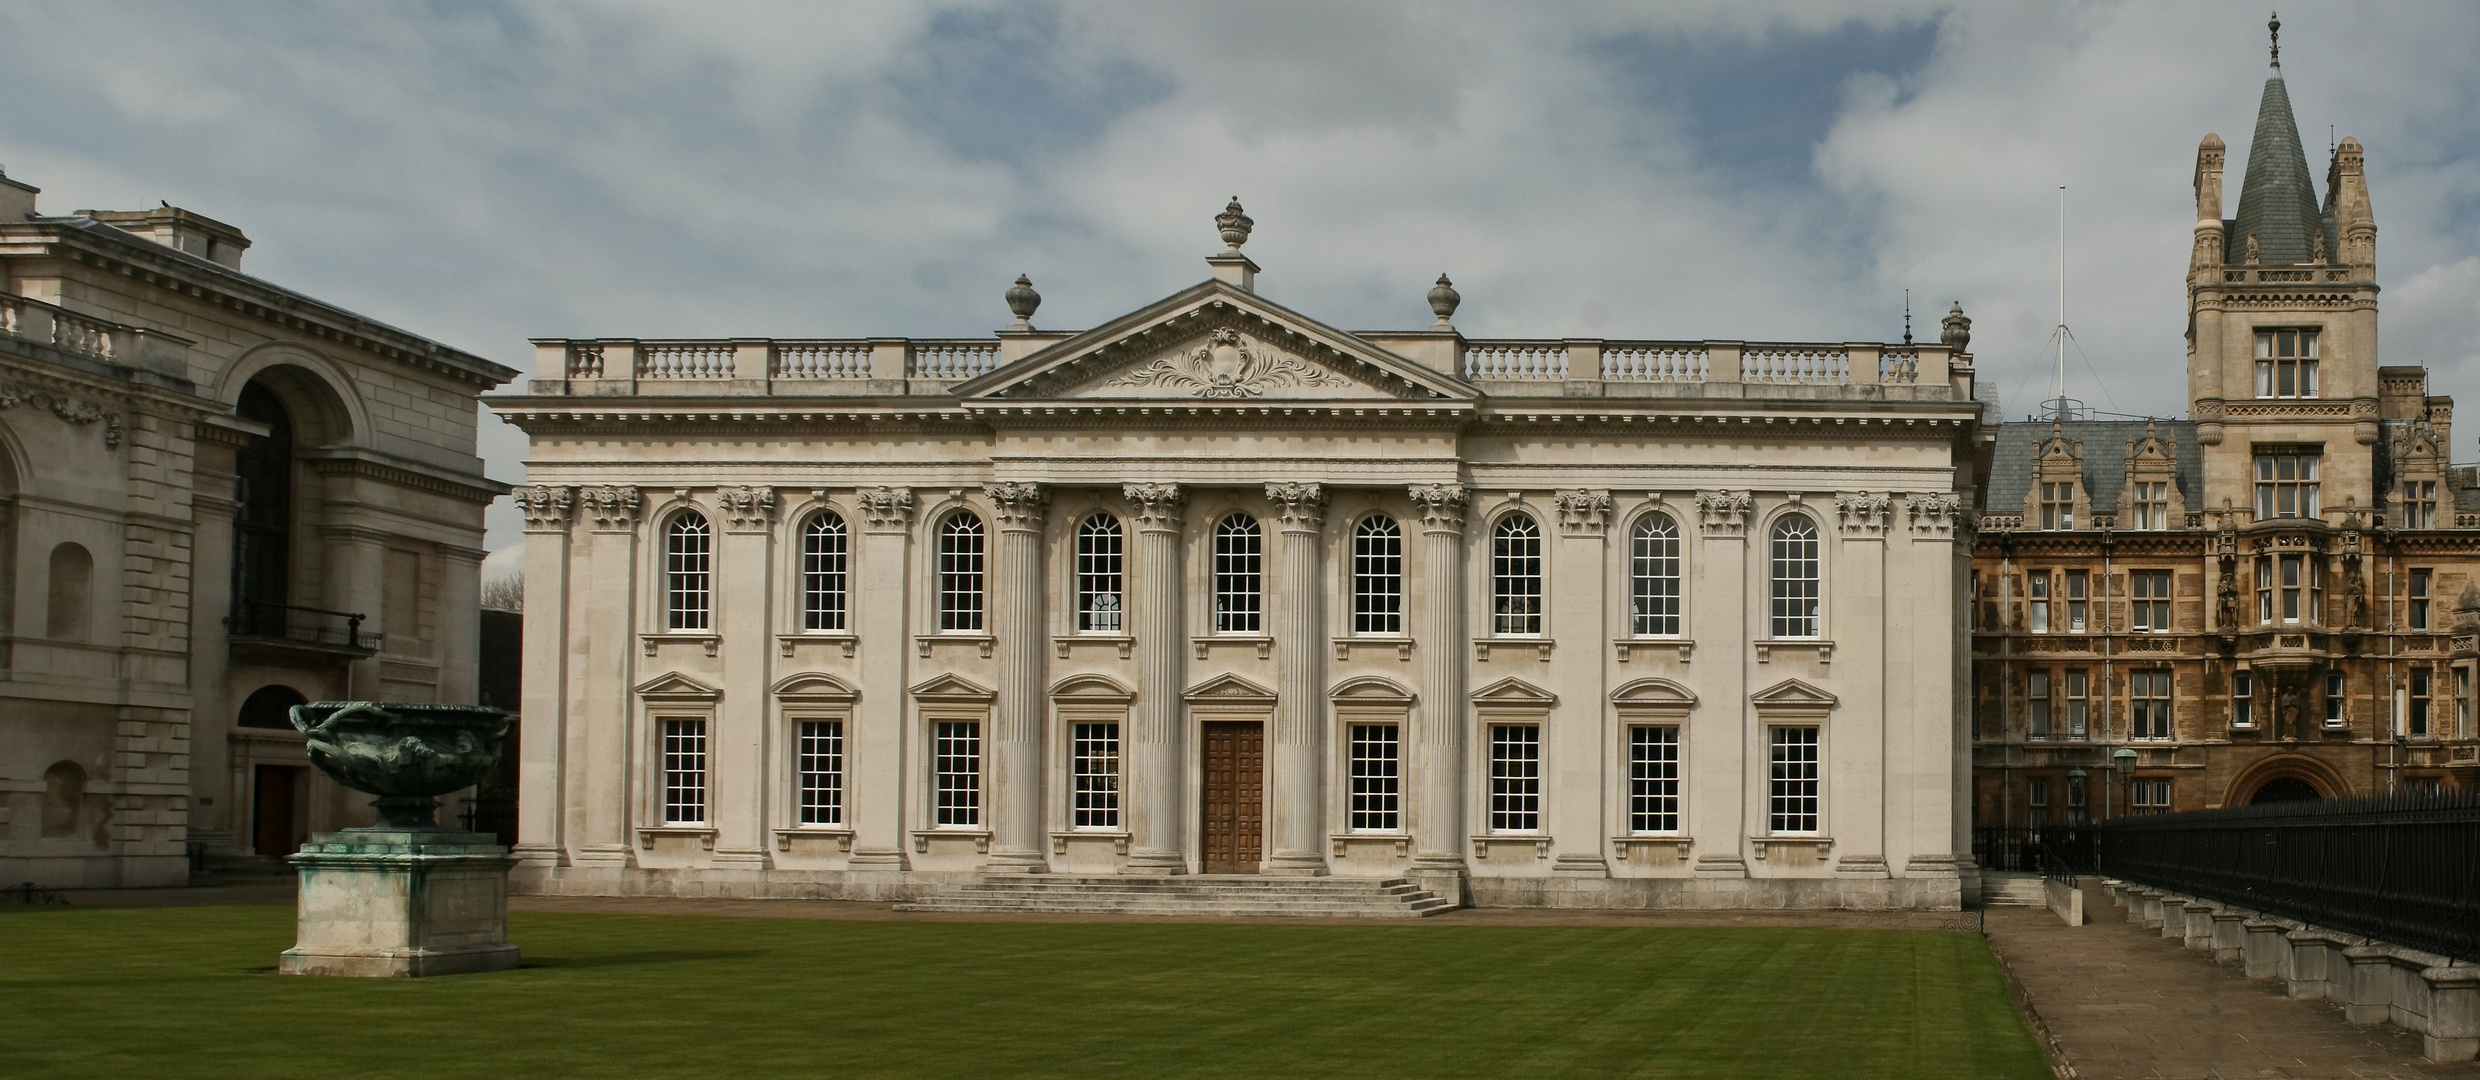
point(402, 904)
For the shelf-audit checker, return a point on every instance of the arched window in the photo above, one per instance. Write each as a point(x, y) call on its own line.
point(1100, 575)
point(1515, 576)
point(1239, 575)
point(263, 526)
point(72, 592)
point(960, 572)
point(823, 553)
point(1653, 577)
point(270, 707)
point(688, 573)
point(1795, 578)
point(1377, 576)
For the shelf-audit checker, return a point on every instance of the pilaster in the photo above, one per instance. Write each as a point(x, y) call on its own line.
point(543, 722)
point(746, 551)
point(1156, 766)
point(1575, 740)
point(604, 747)
point(1727, 598)
point(1296, 758)
point(1856, 772)
point(1016, 772)
point(881, 621)
point(1439, 828)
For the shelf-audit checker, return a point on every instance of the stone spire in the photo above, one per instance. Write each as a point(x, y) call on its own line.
point(2277, 201)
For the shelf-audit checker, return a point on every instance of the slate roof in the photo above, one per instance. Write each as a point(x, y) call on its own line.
point(2105, 460)
point(2277, 204)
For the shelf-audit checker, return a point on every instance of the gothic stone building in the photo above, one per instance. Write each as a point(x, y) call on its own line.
point(218, 497)
point(1218, 588)
point(2273, 599)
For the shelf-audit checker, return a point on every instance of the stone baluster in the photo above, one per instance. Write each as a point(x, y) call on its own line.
point(1295, 763)
point(1155, 763)
point(1016, 728)
point(1438, 721)
point(874, 789)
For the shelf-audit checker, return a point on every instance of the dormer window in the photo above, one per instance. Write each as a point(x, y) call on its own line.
point(2152, 505)
point(2286, 363)
point(2419, 502)
point(2058, 505)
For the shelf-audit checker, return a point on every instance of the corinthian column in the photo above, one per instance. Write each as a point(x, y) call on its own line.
point(1295, 763)
point(1438, 722)
point(1016, 730)
point(1155, 767)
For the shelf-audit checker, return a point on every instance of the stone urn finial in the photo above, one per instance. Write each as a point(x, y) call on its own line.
point(1023, 301)
point(1443, 300)
point(1234, 224)
point(1958, 333)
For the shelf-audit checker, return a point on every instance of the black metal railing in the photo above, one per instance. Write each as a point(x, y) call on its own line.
point(2031, 850)
point(299, 625)
point(2404, 869)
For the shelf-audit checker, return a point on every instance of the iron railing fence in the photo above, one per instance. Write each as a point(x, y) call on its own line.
point(2404, 869)
point(304, 625)
point(2047, 849)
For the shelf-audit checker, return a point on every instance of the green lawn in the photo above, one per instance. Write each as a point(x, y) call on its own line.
point(190, 992)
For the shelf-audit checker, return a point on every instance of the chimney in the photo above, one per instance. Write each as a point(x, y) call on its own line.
point(180, 230)
point(16, 198)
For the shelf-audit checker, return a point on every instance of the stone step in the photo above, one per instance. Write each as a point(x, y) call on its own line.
point(1210, 895)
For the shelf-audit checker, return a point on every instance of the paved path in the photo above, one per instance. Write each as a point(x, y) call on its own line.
point(2122, 1001)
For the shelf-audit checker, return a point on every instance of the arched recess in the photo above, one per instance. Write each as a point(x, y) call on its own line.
point(72, 592)
point(64, 798)
point(814, 688)
point(270, 706)
point(1091, 689)
point(2316, 774)
point(1372, 690)
point(326, 408)
point(10, 454)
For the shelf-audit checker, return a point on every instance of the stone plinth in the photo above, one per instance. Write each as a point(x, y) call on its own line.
point(402, 904)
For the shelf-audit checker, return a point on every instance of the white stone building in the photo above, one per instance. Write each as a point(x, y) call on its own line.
point(1218, 588)
point(218, 497)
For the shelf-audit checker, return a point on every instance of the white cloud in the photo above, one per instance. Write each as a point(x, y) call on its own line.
point(484, 175)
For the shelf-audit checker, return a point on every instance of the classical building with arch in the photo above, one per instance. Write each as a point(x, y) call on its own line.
point(218, 498)
point(2272, 598)
point(1217, 588)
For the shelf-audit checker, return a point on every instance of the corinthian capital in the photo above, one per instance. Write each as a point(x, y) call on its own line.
point(746, 508)
point(1581, 511)
point(1018, 506)
point(547, 509)
point(1298, 506)
point(886, 509)
point(613, 508)
point(1441, 505)
point(1158, 505)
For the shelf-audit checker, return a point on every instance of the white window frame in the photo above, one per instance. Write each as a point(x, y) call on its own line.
point(1239, 575)
point(826, 572)
point(956, 774)
point(1515, 777)
point(1795, 780)
point(1094, 775)
point(1377, 576)
point(682, 762)
point(960, 572)
point(1653, 798)
point(2337, 699)
point(818, 772)
point(1516, 582)
point(2152, 505)
point(2037, 587)
point(1373, 777)
point(2242, 699)
point(1654, 577)
point(688, 572)
point(1791, 572)
point(1101, 575)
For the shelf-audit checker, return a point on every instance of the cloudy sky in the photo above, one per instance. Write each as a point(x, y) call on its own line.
point(483, 174)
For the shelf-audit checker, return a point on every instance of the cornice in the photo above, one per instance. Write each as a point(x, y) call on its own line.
point(467, 486)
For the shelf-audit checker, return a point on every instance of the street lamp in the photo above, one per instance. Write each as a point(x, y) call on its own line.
point(2124, 764)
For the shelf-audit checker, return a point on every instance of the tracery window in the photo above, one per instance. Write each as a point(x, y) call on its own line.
point(824, 584)
point(688, 573)
point(1795, 577)
point(1515, 576)
point(1239, 576)
point(1653, 577)
point(960, 572)
point(1100, 576)
point(1377, 576)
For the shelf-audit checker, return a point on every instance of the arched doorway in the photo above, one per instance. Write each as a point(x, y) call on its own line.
point(2285, 789)
point(270, 706)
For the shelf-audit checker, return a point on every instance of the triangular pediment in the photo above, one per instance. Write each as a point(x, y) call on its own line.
point(1792, 694)
point(951, 688)
point(1513, 691)
point(676, 686)
point(1228, 689)
point(1215, 343)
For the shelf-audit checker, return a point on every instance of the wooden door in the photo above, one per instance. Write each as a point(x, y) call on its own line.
point(1235, 796)
point(273, 808)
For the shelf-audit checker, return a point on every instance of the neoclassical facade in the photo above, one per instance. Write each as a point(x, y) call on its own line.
point(1216, 588)
point(218, 498)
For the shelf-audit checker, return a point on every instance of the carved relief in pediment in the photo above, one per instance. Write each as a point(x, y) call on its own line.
point(1227, 364)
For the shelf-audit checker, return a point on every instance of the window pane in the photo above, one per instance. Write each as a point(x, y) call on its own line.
point(1653, 779)
point(1795, 578)
point(823, 585)
point(1239, 570)
point(684, 771)
point(1791, 791)
point(821, 766)
point(1093, 763)
point(1374, 778)
point(688, 573)
point(1098, 574)
point(956, 767)
point(1377, 576)
point(960, 572)
point(1515, 778)
point(1653, 562)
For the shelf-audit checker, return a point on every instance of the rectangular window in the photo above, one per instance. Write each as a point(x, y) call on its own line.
point(1377, 576)
point(2152, 505)
point(2077, 801)
point(2264, 588)
point(2415, 721)
point(1653, 779)
point(1093, 766)
point(2419, 498)
point(684, 771)
point(2036, 597)
point(1239, 575)
point(2076, 600)
point(2151, 797)
point(2036, 698)
point(2419, 599)
point(2335, 701)
point(2294, 572)
point(2036, 803)
point(2149, 609)
point(2079, 703)
point(2148, 704)
point(956, 771)
point(2286, 363)
point(820, 751)
point(2462, 702)
point(2058, 505)
point(1376, 780)
point(2286, 484)
point(2242, 699)
point(1791, 782)
point(1515, 778)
